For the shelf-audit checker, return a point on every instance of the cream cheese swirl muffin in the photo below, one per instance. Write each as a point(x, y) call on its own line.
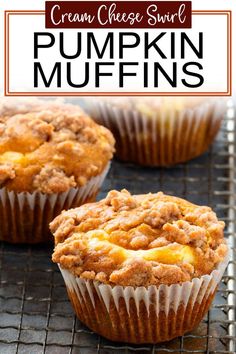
point(52, 157)
point(159, 131)
point(140, 268)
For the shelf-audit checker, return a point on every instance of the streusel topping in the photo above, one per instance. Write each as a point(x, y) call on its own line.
point(139, 240)
point(51, 150)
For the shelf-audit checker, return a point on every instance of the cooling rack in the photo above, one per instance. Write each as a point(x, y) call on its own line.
point(35, 314)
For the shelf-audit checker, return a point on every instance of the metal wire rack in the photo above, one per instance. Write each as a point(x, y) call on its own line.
point(35, 313)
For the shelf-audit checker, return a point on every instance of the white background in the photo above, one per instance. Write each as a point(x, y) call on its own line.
point(21, 50)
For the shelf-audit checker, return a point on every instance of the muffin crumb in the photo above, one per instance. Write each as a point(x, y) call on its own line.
point(7, 171)
point(49, 180)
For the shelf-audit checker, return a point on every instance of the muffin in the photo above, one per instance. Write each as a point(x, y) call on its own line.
point(159, 131)
point(141, 268)
point(50, 160)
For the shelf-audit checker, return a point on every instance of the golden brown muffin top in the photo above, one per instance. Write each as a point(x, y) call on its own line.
point(51, 149)
point(139, 240)
point(152, 107)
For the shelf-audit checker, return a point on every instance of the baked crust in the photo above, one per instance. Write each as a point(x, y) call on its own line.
point(50, 148)
point(139, 240)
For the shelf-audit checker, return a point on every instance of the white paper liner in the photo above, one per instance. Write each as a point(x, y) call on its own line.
point(25, 216)
point(173, 295)
point(167, 138)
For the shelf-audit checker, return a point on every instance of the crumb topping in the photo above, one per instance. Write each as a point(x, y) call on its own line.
point(52, 148)
point(139, 240)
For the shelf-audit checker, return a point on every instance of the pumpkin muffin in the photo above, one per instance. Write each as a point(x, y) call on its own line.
point(141, 268)
point(49, 160)
point(159, 131)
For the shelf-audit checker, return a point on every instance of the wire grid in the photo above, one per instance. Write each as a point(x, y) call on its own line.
point(35, 314)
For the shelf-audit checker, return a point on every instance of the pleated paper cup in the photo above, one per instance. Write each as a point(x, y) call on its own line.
point(142, 315)
point(25, 216)
point(167, 137)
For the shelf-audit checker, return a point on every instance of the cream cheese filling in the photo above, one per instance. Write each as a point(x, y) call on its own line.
point(170, 254)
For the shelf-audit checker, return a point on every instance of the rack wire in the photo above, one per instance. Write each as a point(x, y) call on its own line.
point(35, 313)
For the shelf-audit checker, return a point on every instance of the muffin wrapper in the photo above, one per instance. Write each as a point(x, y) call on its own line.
point(142, 315)
point(166, 138)
point(25, 216)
